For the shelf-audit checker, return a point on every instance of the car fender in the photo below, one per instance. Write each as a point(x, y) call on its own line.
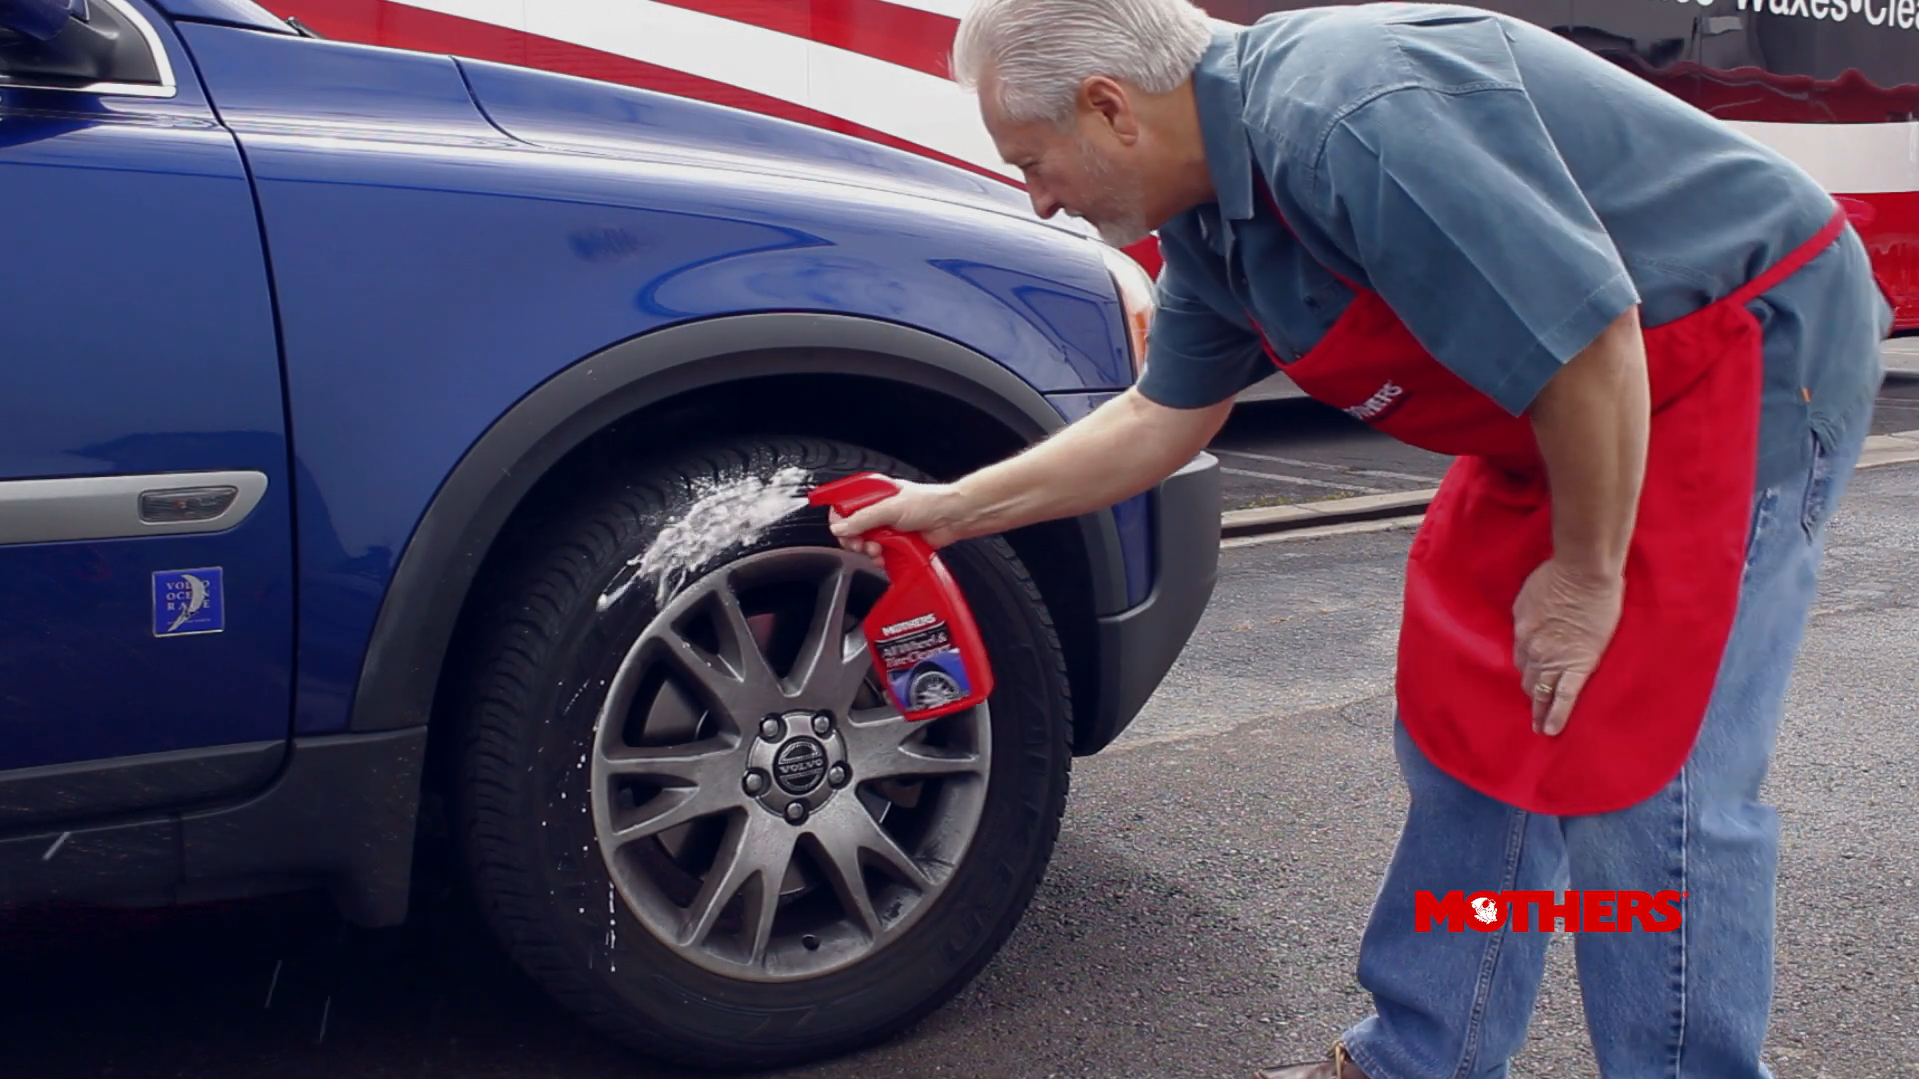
point(418, 615)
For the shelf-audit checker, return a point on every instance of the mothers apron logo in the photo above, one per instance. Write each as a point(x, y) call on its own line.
point(1382, 401)
point(1582, 912)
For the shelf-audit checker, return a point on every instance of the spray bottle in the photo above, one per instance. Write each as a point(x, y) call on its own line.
point(921, 633)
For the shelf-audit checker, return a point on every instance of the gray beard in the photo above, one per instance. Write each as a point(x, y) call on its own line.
point(1123, 233)
point(1127, 230)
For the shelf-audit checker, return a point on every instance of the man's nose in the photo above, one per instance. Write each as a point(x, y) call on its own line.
point(1044, 204)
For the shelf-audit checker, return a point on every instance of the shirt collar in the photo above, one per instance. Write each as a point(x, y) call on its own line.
point(1229, 158)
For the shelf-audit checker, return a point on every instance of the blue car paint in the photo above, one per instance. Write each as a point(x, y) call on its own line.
point(136, 336)
point(432, 261)
point(1064, 299)
point(589, 116)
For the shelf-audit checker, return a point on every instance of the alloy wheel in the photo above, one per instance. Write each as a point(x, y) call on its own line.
point(762, 808)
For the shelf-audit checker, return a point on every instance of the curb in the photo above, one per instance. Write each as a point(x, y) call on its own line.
point(1897, 448)
point(1360, 508)
point(1900, 356)
point(1405, 509)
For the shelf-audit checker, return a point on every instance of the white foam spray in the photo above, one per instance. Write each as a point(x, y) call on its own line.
point(723, 515)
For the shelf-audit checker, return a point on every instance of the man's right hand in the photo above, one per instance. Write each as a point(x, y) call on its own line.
point(934, 510)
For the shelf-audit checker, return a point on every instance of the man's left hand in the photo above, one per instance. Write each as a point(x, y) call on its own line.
point(1562, 622)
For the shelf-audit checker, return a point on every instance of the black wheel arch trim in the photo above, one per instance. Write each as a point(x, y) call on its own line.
point(423, 600)
point(1138, 646)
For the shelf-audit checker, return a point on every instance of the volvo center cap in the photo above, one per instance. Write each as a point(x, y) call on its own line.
point(800, 766)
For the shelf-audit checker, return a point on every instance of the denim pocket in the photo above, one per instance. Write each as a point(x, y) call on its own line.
point(1818, 502)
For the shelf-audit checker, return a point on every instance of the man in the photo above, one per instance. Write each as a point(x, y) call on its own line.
point(1650, 342)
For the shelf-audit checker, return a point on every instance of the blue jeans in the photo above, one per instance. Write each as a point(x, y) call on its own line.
point(1687, 1004)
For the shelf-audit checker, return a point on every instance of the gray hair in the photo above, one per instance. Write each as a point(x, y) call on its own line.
point(1040, 51)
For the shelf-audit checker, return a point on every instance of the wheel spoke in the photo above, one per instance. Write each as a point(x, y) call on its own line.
point(828, 673)
point(841, 680)
point(707, 762)
point(762, 907)
point(720, 686)
point(741, 652)
point(880, 843)
point(696, 780)
point(731, 868)
point(835, 831)
point(737, 679)
point(751, 847)
point(668, 809)
point(883, 749)
point(851, 839)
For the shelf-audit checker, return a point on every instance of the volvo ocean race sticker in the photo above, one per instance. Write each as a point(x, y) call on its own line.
point(188, 601)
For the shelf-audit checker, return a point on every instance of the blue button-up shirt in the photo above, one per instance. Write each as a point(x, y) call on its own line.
point(1508, 194)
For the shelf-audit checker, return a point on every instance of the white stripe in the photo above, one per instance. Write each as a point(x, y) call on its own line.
point(952, 9)
point(920, 108)
point(1295, 462)
point(1301, 481)
point(1847, 159)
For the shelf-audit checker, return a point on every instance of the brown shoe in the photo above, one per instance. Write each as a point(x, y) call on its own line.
point(1339, 1066)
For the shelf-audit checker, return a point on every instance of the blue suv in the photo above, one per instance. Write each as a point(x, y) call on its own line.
point(395, 447)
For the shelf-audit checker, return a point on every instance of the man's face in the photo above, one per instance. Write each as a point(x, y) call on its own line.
point(1085, 168)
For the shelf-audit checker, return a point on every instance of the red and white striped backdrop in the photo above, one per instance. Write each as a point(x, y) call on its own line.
point(877, 69)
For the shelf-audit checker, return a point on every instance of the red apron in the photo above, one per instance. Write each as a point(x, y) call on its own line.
point(1490, 526)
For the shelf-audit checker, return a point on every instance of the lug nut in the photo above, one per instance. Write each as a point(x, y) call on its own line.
point(755, 782)
point(822, 724)
point(771, 728)
point(796, 811)
point(838, 775)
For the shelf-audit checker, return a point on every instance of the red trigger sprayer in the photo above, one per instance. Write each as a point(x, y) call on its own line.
point(921, 633)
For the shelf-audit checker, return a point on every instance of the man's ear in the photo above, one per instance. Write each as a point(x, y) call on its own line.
point(1109, 101)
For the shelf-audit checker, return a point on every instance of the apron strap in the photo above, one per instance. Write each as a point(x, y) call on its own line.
point(1794, 260)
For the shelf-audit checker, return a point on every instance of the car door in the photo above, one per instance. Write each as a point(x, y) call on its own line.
point(146, 612)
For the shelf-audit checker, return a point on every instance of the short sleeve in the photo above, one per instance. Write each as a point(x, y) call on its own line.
point(1196, 356)
point(1471, 228)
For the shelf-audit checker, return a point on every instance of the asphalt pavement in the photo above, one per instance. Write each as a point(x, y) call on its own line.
point(1201, 914)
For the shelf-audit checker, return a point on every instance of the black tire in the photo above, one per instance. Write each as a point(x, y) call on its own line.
point(541, 654)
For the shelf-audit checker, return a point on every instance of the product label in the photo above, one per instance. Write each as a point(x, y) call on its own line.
point(923, 669)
